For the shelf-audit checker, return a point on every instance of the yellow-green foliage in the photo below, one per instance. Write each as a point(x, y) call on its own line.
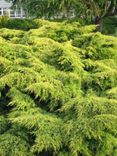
point(58, 91)
point(9, 34)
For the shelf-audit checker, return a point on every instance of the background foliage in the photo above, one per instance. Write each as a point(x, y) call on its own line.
point(89, 10)
point(22, 24)
point(110, 26)
point(58, 91)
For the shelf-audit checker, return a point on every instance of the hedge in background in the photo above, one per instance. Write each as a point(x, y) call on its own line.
point(21, 24)
point(58, 91)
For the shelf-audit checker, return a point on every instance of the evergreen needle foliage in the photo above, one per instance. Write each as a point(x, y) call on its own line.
point(58, 91)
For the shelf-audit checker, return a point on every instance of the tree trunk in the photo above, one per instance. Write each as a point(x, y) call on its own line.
point(99, 23)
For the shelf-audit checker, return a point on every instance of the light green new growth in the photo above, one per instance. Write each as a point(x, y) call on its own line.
point(58, 91)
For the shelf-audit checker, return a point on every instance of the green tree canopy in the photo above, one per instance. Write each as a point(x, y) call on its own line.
point(58, 91)
point(90, 10)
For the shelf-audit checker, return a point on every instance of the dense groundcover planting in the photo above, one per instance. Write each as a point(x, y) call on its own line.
point(58, 91)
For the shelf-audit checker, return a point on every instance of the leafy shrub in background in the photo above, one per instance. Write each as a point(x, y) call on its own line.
point(20, 24)
point(58, 91)
point(3, 21)
point(110, 25)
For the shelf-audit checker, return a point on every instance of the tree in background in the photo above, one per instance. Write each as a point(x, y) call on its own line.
point(89, 10)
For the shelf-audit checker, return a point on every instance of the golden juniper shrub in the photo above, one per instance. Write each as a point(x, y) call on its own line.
point(58, 91)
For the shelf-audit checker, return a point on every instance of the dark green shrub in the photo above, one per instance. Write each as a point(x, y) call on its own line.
point(3, 21)
point(21, 24)
point(110, 25)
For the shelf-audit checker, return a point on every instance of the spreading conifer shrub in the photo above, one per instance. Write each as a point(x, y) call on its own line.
point(58, 91)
